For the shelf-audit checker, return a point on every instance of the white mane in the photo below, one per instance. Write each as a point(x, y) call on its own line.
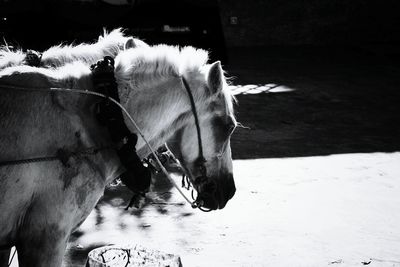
point(160, 60)
point(145, 65)
point(142, 66)
point(110, 44)
point(10, 58)
point(134, 65)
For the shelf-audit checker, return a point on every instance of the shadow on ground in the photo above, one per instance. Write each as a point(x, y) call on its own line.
point(342, 101)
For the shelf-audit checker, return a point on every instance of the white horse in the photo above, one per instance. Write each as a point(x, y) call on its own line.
point(109, 44)
point(42, 203)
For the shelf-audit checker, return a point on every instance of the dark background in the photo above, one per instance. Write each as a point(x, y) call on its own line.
point(214, 24)
point(39, 24)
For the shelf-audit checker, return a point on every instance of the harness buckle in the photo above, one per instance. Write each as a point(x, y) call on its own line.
point(33, 58)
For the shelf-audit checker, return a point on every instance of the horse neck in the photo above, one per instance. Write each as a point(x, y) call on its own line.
point(159, 110)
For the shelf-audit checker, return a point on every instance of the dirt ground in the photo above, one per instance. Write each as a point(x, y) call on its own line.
point(316, 169)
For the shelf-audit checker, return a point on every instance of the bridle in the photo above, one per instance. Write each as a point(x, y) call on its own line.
point(200, 161)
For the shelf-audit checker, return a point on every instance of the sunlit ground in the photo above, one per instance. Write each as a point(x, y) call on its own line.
point(308, 211)
point(259, 89)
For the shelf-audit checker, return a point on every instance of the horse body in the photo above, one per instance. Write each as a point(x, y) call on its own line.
point(45, 201)
point(41, 203)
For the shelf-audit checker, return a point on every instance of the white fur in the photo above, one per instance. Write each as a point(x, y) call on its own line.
point(10, 58)
point(109, 44)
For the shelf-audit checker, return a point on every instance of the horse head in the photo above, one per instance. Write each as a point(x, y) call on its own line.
point(155, 84)
point(207, 160)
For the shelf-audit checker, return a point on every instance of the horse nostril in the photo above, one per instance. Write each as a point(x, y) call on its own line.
point(210, 187)
point(215, 193)
point(208, 201)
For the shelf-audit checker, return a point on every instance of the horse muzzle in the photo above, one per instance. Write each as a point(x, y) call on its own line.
point(214, 193)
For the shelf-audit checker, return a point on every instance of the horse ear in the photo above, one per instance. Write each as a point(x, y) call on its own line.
point(130, 43)
point(215, 77)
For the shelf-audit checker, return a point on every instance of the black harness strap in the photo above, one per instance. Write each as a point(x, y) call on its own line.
point(137, 177)
point(33, 58)
point(27, 161)
point(108, 114)
point(62, 155)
